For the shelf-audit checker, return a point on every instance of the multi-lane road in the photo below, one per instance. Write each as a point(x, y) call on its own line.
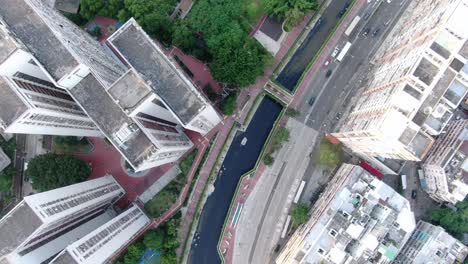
point(346, 75)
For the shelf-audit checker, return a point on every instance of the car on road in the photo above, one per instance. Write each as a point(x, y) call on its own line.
point(328, 73)
point(335, 52)
point(366, 32)
point(375, 32)
point(312, 101)
point(327, 62)
point(414, 193)
point(366, 16)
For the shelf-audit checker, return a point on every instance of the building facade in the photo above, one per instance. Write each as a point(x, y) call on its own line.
point(420, 77)
point(431, 244)
point(43, 224)
point(4, 160)
point(446, 166)
point(58, 80)
point(358, 219)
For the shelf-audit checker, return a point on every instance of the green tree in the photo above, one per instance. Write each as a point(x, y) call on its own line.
point(134, 253)
point(6, 178)
point(237, 60)
point(454, 221)
point(154, 239)
point(229, 104)
point(293, 11)
point(50, 171)
point(299, 214)
point(90, 8)
point(182, 36)
point(159, 25)
point(329, 155)
point(268, 159)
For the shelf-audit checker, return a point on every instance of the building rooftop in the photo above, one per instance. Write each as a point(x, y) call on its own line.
point(12, 105)
point(104, 242)
point(366, 220)
point(16, 226)
point(272, 27)
point(70, 6)
point(129, 90)
point(431, 244)
point(112, 120)
point(160, 73)
point(7, 46)
point(26, 25)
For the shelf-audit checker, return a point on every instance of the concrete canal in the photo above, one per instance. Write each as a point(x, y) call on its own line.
point(240, 158)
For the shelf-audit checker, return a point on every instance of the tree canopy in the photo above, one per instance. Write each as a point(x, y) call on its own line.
point(299, 214)
point(455, 222)
point(237, 59)
point(293, 11)
point(50, 171)
point(6, 178)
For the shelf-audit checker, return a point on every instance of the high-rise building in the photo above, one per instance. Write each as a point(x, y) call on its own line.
point(58, 80)
point(106, 242)
point(420, 77)
point(446, 166)
point(431, 244)
point(43, 224)
point(357, 219)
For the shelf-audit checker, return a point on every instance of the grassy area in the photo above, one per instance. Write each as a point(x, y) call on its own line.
point(167, 197)
point(7, 174)
point(71, 145)
point(328, 154)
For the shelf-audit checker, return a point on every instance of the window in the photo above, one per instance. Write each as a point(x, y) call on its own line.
point(321, 251)
point(333, 233)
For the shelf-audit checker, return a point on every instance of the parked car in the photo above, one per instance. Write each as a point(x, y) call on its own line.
point(326, 63)
point(328, 73)
point(335, 52)
point(414, 193)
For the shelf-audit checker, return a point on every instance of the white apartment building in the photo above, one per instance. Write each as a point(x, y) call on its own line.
point(56, 79)
point(431, 244)
point(421, 76)
point(43, 224)
point(446, 166)
point(357, 219)
point(102, 244)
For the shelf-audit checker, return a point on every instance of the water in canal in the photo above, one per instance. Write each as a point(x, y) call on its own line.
point(239, 160)
point(292, 72)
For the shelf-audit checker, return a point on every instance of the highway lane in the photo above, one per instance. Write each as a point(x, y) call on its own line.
point(332, 91)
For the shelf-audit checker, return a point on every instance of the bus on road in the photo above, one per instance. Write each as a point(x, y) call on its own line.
point(351, 26)
point(343, 51)
point(403, 182)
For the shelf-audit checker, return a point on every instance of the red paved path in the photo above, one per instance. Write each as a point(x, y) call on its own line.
point(104, 23)
point(105, 159)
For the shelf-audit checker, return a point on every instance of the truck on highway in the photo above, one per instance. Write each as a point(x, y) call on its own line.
point(351, 26)
point(344, 51)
